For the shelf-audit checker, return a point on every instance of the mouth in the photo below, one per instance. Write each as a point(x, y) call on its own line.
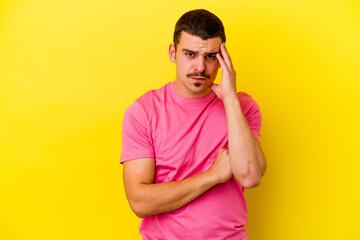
point(199, 78)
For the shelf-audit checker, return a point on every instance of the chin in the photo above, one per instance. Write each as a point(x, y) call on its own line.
point(203, 87)
point(199, 86)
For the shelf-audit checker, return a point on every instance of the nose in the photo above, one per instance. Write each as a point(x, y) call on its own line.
point(200, 64)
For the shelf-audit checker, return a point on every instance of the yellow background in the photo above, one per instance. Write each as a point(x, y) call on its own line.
point(69, 69)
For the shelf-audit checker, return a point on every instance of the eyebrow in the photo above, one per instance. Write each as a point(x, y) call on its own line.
point(210, 53)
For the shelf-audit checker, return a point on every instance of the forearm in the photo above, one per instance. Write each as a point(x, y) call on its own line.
point(247, 160)
point(166, 197)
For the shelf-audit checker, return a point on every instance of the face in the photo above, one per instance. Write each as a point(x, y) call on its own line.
point(196, 64)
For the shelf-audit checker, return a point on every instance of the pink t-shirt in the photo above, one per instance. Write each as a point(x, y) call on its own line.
point(184, 136)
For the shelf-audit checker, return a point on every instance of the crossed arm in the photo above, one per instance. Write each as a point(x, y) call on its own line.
point(247, 159)
point(244, 159)
point(149, 198)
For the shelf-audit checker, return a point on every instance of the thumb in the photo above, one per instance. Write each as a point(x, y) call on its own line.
point(214, 87)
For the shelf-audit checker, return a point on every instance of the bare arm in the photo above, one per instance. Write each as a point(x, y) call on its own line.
point(149, 198)
point(247, 159)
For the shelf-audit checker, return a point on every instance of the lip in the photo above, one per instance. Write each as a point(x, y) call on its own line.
point(199, 79)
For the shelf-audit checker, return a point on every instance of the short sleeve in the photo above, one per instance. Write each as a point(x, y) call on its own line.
point(252, 113)
point(136, 142)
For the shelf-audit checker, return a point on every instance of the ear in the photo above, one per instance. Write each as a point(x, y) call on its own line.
point(172, 53)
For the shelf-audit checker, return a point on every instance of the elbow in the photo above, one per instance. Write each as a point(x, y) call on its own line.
point(139, 213)
point(140, 204)
point(139, 209)
point(252, 177)
point(250, 182)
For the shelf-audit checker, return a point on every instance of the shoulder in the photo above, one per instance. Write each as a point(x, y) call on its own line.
point(245, 96)
point(246, 99)
point(148, 102)
point(247, 102)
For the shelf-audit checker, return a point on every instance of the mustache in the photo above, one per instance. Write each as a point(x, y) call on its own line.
point(198, 74)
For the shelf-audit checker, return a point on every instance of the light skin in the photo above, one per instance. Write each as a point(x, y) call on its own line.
point(197, 62)
point(195, 56)
point(247, 160)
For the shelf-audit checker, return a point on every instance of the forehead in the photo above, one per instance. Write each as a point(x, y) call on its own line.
point(197, 44)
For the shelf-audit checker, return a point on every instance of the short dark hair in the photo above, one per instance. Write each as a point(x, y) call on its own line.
point(200, 23)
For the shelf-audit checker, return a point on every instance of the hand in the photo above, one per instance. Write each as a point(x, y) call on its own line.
point(221, 167)
point(227, 86)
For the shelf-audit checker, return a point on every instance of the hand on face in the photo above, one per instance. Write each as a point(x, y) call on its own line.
point(227, 86)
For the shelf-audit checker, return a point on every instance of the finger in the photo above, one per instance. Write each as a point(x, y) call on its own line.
point(214, 87)
point(226, 56)
point(223, 65)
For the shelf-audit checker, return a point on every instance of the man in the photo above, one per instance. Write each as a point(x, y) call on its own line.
point(191, 147)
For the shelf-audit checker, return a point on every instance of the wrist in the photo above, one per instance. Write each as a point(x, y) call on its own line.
point(231, 98)
point(212, 177)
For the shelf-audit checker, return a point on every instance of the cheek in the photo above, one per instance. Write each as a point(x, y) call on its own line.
point(181, 66)
point(213, 67)
point(186, 67)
